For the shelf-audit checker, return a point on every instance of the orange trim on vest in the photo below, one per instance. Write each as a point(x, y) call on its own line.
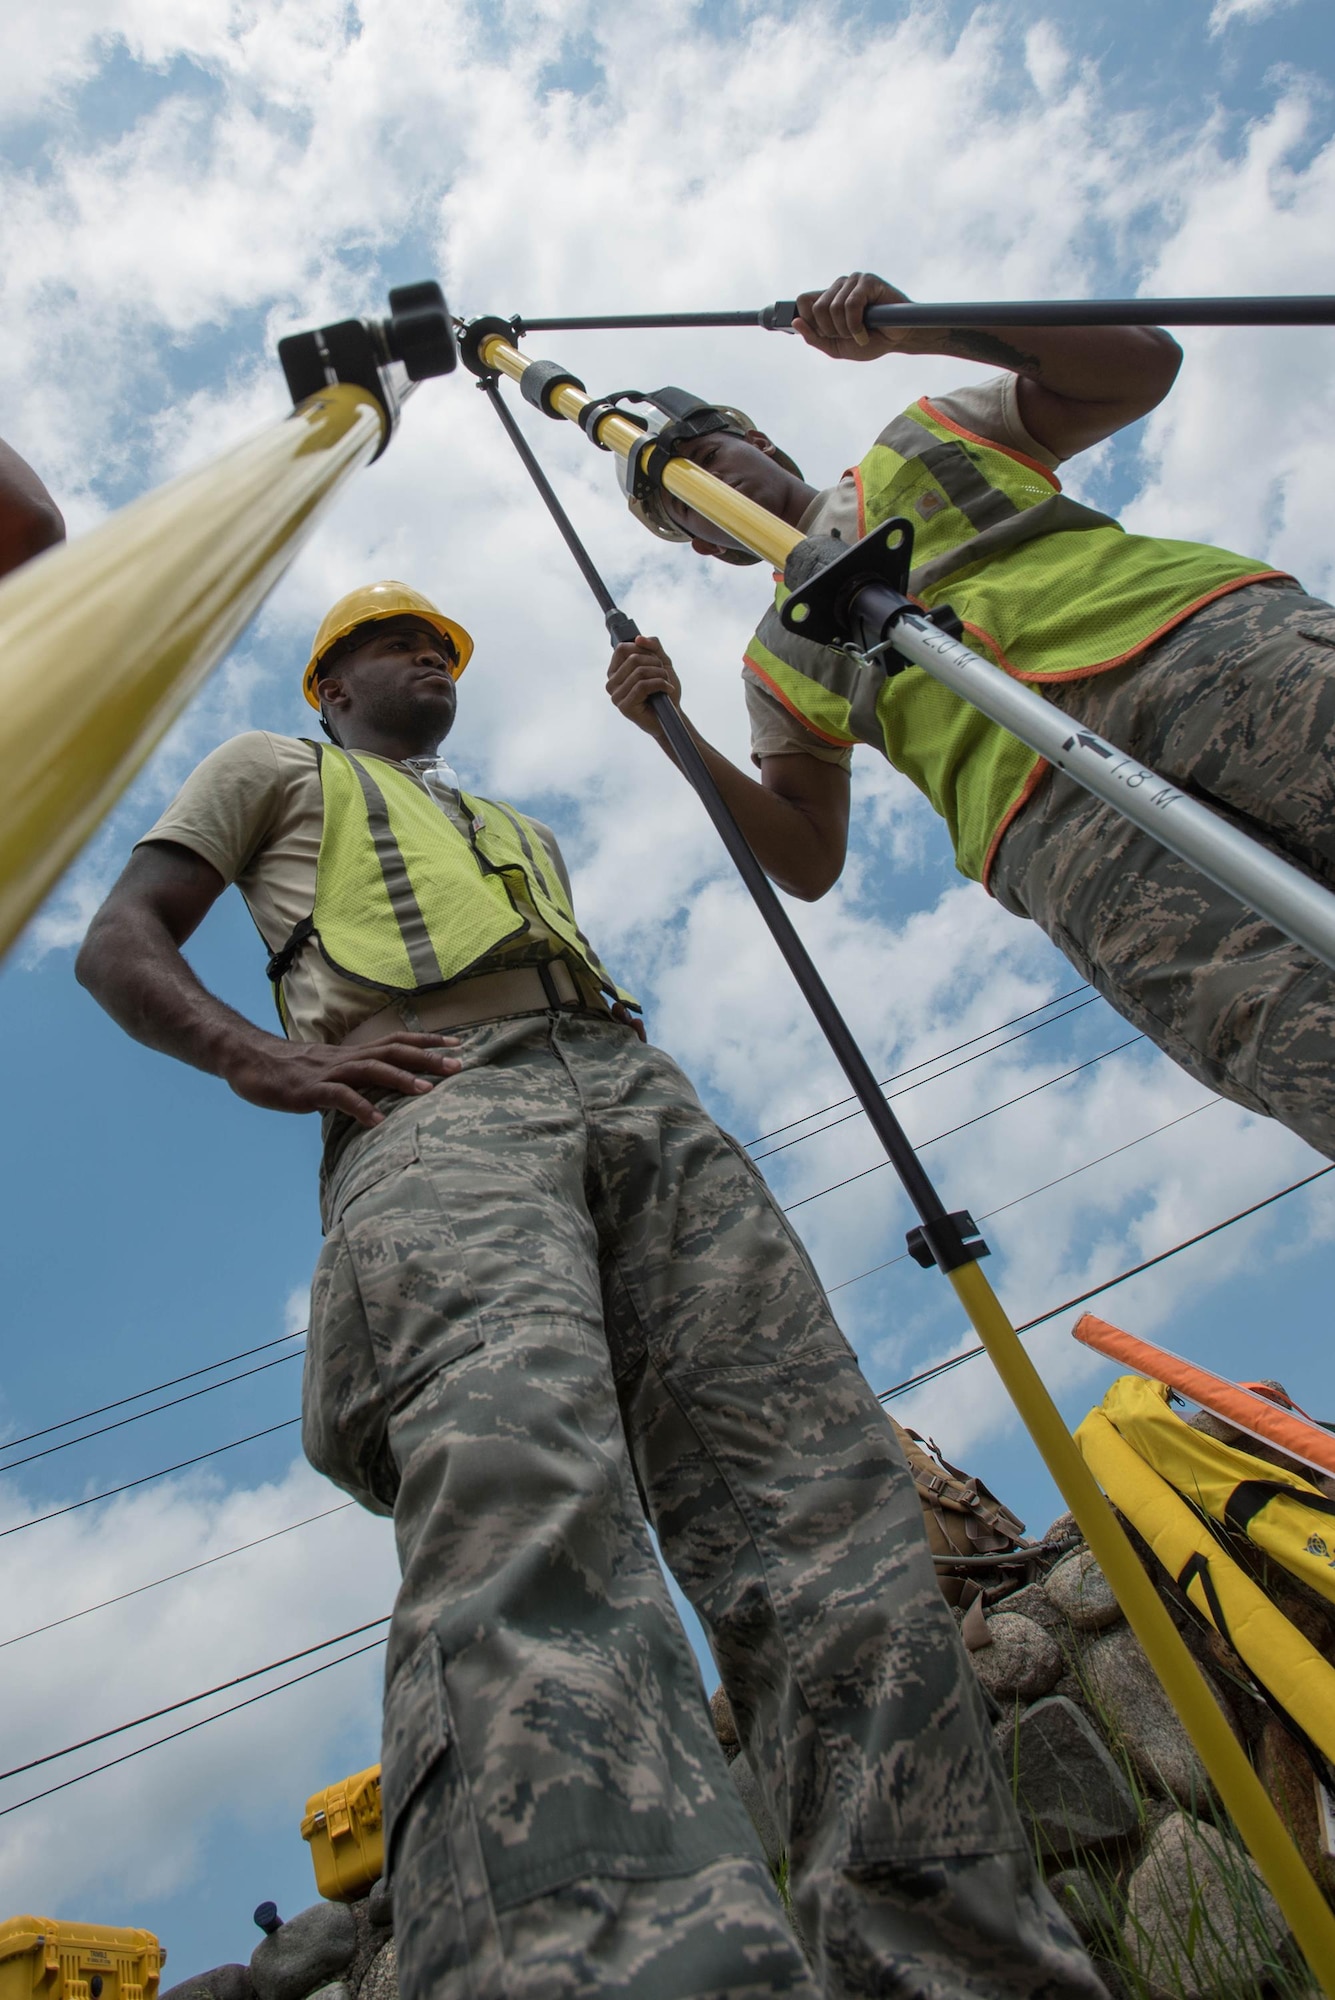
point(992, 444)
point(837, 742)
point(1102, 666)
point(1027, 790)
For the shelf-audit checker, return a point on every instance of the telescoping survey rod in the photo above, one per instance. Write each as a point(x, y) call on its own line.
point(105, 640)
point(1300, 309)
point(943, 1238)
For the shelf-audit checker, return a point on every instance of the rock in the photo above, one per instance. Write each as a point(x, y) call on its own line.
point(337, 1989)
point(1090, 1905)
point(725, 1723)
point(757, 1805)
point(312, 1948)
point(1068, 1787)
point(1200, 1925)
point(1082, 1593)
point(1022, 1662)
point(1287, 1777)
point(380, 1906)
point(1063, 1529)
point(1124, 1689)
point(382, 1980)
point(1033, 1602)
point(225, 1982)
point(370, 1942)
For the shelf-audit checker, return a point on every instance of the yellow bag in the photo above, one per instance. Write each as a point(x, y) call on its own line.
point(1283, 1513)
point(1282, 1660)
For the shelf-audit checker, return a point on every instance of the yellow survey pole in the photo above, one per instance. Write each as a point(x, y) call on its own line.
point(756, 526)
point(1241, 1791)
point(105, 640)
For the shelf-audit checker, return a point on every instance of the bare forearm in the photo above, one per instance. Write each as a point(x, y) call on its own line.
point(135, 970)
point(1077, 384)
point(797, 853)
point(1088, 364)
point(30, 520)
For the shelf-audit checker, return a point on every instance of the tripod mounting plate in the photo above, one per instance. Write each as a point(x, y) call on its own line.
point(417, 333)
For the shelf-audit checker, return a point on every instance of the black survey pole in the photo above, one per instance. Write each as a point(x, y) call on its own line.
point(1297, 309)
point(947, 1240)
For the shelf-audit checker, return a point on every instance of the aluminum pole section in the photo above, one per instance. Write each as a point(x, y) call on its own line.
point(1275, 889)
point(105, 640)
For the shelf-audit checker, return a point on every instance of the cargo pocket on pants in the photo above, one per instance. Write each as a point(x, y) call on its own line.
point(444, 1920)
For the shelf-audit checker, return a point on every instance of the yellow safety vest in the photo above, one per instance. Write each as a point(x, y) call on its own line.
point(405, 902)
point(1046, 588)
point(1285, 1663)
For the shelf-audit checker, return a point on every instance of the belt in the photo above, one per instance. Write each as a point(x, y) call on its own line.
point(489, 996)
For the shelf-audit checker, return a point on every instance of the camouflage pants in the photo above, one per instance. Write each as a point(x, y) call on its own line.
point(555, 1299)
point(1236, 708)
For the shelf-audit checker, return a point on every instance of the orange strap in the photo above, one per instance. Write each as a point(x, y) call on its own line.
point(1256, 1414)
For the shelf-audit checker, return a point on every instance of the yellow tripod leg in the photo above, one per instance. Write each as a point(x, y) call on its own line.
point(104, 641)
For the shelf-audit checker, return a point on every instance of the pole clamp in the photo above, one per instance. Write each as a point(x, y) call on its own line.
point(607, 406)
point(540, 381)
point(822, 593)
point(948, 1243)
point(472, 337)
point(417, 336)
point(825, 581)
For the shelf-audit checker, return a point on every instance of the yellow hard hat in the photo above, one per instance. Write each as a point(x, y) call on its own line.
point(367, 606)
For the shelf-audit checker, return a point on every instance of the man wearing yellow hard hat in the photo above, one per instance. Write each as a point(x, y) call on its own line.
point(554, 1300)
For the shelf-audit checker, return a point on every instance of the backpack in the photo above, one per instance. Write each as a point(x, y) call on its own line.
point(964, 1521)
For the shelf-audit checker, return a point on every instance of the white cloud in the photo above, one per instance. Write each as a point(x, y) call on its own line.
point(156, 1648)
point(320, 154)
point(1225, 13)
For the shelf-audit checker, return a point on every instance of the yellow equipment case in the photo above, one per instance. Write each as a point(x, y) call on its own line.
point(44, 1960)
point(346, 1835)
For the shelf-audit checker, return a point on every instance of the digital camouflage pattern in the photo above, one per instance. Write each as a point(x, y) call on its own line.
point(555, 1299)
point(1237, 709)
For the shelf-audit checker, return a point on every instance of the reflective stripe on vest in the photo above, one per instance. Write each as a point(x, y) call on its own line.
point(1045, 587)
point(404, 901)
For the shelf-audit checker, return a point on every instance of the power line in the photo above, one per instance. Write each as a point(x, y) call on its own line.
point(972, 1353)
point(190, 1570)
point(173, 1382)
point(188, 1701)
point(926, 1062)
point(987, 1214)
point(847, 1181)
point(190, 1727)
point(172, 1403)
point(245, 1353)
point(991, 1112)
point(110, 1493)
point(981, 1055)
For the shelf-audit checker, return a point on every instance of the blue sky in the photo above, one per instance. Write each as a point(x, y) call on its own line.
point(183, 184)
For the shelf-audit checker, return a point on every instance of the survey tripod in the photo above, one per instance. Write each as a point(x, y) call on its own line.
point(103, 641)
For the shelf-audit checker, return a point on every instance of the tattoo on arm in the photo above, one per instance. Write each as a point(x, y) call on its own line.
point(973, 343)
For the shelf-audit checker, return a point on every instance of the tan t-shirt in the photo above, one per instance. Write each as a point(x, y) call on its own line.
point(989, 408)
point(254, 810)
